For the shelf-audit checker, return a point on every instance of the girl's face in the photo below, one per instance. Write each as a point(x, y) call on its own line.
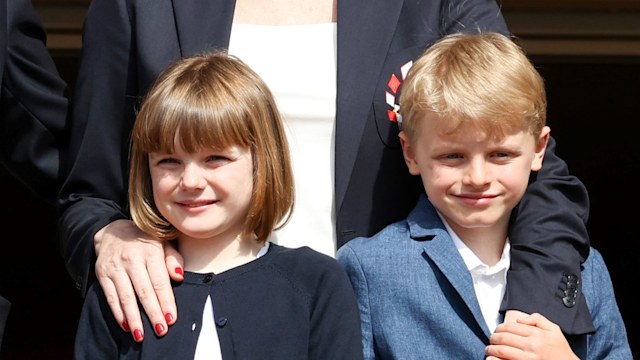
point(472, 179)
point(205, 194)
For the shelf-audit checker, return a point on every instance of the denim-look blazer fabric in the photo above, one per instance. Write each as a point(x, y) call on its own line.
point(417, 300)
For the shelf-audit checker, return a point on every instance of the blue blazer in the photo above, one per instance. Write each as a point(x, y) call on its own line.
point(417, 300)
point(372, 185)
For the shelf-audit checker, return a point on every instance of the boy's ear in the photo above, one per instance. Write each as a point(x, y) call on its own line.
point(541, 147)
point(409, 154)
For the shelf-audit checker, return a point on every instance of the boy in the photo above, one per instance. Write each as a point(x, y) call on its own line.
point(430, 286)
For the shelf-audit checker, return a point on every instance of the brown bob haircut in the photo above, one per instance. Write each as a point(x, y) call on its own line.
point(215, 101)
point(484, 79)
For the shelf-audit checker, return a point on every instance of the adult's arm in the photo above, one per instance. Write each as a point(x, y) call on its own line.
point(94, 224)
point(33, 103)
point(549, 242)
point(548, 234)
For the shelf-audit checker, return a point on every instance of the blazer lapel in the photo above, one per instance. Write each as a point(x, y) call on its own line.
point(444, 254)
point(365, 31)
point(203, 25)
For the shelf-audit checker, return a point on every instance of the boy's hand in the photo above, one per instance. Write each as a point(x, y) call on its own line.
point(529, 337)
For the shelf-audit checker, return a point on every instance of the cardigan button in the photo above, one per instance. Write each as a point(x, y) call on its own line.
point(221, 321)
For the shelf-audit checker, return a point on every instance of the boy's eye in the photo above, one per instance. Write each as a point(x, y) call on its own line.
point(453, 156)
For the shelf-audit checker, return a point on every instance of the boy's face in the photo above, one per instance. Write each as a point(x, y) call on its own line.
point(472, 179)
point(204, 194)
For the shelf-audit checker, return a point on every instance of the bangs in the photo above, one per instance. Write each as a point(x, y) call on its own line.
point(200, 121)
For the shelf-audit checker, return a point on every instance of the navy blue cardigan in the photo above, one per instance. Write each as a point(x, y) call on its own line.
point(287, 304)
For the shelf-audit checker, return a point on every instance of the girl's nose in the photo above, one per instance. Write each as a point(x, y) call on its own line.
point(192, 177)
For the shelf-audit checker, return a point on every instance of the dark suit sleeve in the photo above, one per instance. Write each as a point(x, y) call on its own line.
point(33, 103)
point(548, 234)
point(549, 242)
point(93, 194)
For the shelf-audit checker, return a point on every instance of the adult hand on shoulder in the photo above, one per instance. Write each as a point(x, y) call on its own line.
point(528, 337)
point(130, 263)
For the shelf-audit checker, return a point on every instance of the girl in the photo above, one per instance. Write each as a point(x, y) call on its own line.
point(210, 169)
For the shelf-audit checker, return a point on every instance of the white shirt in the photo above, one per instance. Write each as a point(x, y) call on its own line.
point(489, 282)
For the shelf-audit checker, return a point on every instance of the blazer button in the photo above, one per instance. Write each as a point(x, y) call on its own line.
point(221, 321)
point(571, 290)
point(569, 302)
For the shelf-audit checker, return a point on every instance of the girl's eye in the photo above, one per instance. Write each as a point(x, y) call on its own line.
point(215, 157)
point(167, 161)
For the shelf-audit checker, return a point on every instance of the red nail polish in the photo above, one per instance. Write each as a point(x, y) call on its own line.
point(179, 271)
point(168, 317)
point(125, 326)
point(159, 328)
point(137, 335)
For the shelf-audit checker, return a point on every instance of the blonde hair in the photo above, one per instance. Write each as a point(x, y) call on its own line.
point(216, 101)
point(481, 78)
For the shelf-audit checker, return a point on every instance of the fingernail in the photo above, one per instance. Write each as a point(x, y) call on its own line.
point(137, 335)
point(159, 328)
point(125, 326)
point(179, 271)
point(168, 317)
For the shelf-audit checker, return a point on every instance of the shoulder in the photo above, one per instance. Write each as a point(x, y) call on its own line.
point(385, 241)
point(301, 259)
point(306, 270)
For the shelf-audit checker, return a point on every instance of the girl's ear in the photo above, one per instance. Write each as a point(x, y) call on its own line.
point(541, 147)
point(409, 154)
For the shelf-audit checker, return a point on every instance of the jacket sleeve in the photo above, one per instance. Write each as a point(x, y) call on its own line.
point(549, 242)
point(93, 194)
point(33, 101)
point(610, 339)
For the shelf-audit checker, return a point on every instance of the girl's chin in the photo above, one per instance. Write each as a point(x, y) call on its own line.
point(197, 233)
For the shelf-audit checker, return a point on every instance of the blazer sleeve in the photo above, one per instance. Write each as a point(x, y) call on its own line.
point(34, 103)
point(549, 242)
point(94, 194)
point(610, 339)
point(349, 261)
